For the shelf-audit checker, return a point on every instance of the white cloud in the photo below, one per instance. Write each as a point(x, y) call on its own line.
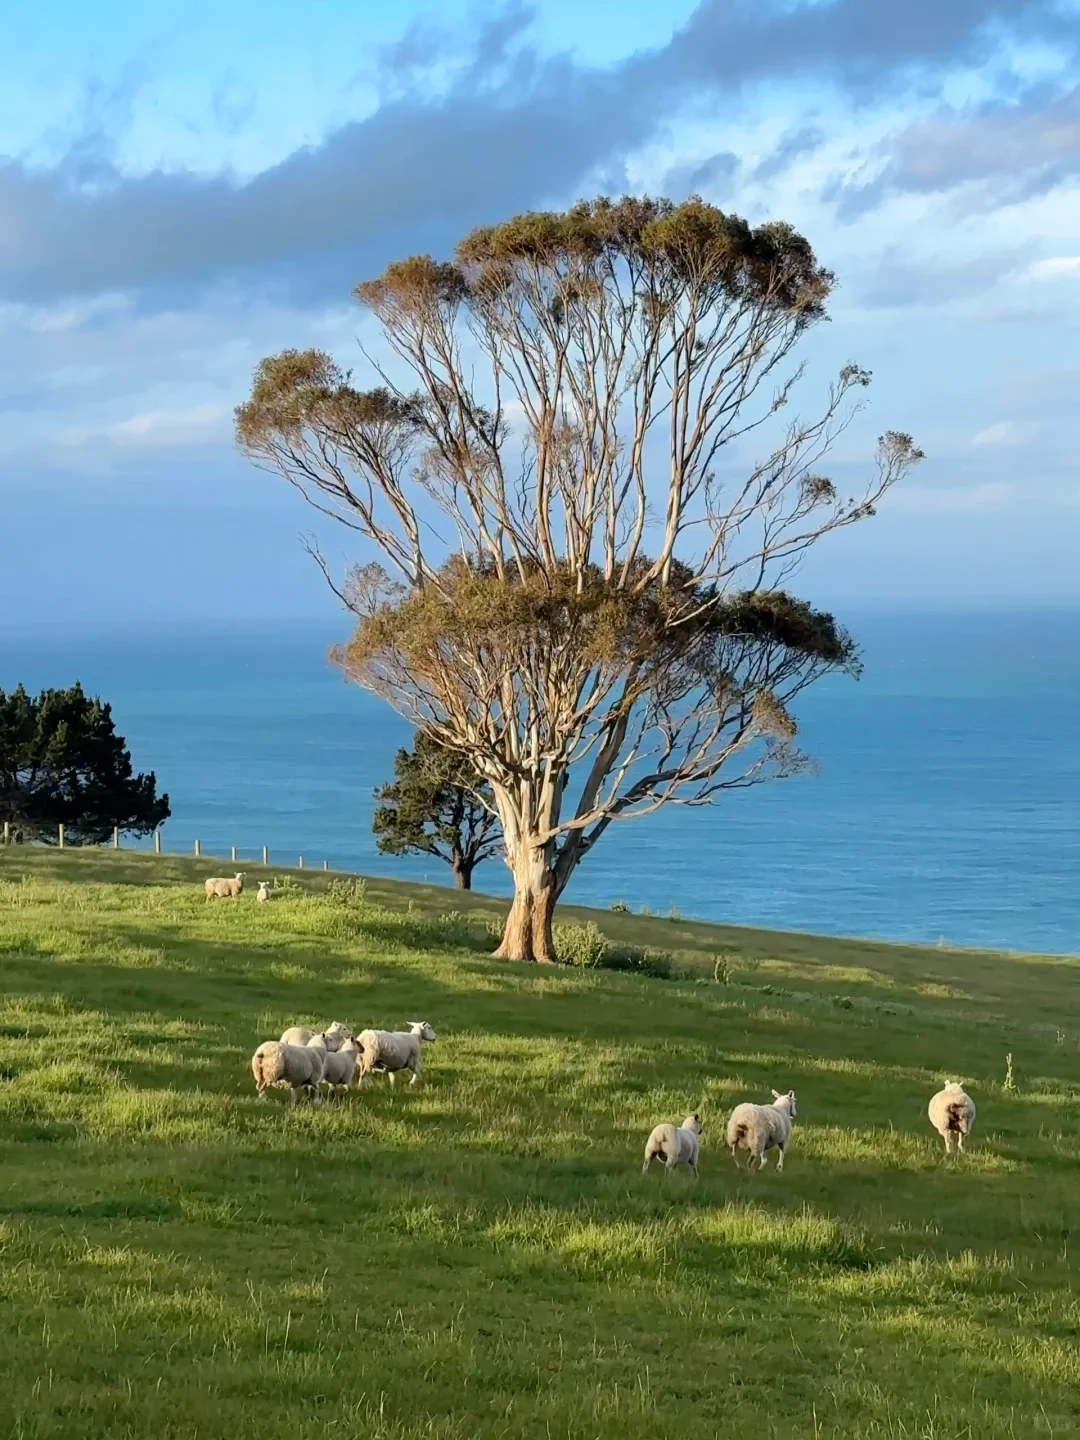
point(197, 425)
point(1061, 267)
point(1005, 432)
point(953, 499)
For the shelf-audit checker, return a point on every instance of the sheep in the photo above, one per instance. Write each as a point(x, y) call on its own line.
point(952, 1112)
point(392, 1050)
point(295, 1067)
point(225, 889)
point(264, 893)
point(760, 1128)
point(339, 1072)
point(675, 1145)
point(333, 1036)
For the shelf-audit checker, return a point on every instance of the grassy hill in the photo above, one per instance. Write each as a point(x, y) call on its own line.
point(480, 1257)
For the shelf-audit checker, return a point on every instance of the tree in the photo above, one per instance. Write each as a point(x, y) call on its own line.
point(62, 763)
point(573, 400)
point(437, 805)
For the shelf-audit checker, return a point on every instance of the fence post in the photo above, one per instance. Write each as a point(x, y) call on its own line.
point(7, 832)
point(300, 863)
point(116, 837)
point(326, 864)
point(157, 842)
point(198, 849)
point(233, 854)
point(60, 836)
point(266, 856)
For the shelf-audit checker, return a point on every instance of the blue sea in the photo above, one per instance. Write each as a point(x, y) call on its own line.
point(946, 803)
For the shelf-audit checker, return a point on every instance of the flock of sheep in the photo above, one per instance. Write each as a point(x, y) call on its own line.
point(335, 1059)
point(307, 1060)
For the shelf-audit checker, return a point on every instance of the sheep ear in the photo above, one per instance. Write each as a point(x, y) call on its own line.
point(776, 1095)
point(791, 1094)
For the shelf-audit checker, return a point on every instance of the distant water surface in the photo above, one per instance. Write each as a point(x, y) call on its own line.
point(946, 803)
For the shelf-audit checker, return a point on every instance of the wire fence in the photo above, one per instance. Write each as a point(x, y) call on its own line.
point(259, 855)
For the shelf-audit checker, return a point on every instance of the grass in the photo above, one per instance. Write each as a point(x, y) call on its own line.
point(480, 1257)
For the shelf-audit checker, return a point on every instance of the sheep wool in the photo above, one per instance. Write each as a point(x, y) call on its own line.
point(263, 895)
point(291, 1067)
point(760, 1128)
point(339, 1072)
point(225, 889)
point(952, 1114)
point(333, 1036)
point(388, 1051)
point(675, 1145)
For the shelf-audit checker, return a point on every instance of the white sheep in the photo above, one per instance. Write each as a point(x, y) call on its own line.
point(952, 1112)
point(392, 1050)
point(339, 1073)
point(760, 1128)
point(333, 1036)
point(225, 889)
point(292, 1067)
point(264, 893)
point(675, 1145)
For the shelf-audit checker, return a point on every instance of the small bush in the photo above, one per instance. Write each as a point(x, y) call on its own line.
point(347, 891)
point(640, 961)
point(620, 907)
point(582, 945)
point(723, 969)
point(843, 1002)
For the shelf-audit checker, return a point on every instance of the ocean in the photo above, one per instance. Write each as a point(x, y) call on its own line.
point(945, 804)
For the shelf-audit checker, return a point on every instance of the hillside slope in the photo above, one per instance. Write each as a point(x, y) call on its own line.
point(479, 1256)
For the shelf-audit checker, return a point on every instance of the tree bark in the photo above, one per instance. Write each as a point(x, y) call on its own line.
point(462, 874)
point(527, 935)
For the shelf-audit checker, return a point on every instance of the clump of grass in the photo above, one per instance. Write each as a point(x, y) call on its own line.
point(347, 890)
point(584, 945)
point(620, 907)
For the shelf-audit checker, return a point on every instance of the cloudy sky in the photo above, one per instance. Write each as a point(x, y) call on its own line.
point(186, 188)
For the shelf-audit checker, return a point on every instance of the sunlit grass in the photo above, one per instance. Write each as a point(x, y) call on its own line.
point(479, 1256)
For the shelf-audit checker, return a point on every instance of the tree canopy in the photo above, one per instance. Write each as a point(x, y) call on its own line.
point(588, 503)
point(437, 805)
point(62, 763)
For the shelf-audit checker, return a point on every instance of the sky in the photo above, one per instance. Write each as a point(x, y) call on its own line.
point(186, 189)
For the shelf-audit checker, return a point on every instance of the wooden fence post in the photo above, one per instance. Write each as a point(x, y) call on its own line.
point(326, 864)
point(266, 856)
point(300, 863)
point(60, 836)
point(233, 854)
point(198, 849)
point(157, 842)
point(7, 832)
point(116, 837)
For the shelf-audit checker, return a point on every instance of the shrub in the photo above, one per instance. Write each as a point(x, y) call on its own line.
point(350, 890)
point(640, 961)
point(620, 907)
point(583, 945)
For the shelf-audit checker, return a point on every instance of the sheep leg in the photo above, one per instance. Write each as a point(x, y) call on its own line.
point(393, 1078)
point(762, 1160)
point(780, 1158)
point(415, 1077)
point(292, 1096)
point(948, 1142)
point(960, 1141)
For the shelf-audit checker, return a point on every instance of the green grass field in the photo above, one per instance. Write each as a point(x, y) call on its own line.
point(479, 1256)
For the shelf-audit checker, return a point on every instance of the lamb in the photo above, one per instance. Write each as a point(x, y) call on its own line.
point(339, 1072)
point(675, 1145)
point(760, 1128)
point(333, 1036)
point(952, 1112)
point(392, 1050)
point(225, 889)
point(264, 893)
point(295, 1067)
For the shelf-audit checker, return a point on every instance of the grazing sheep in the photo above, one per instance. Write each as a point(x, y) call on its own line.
point(264, 893)
point(292, 1067)
point(333, 1036)
point(392, 1050)
point(952, 1112)
point(225, 889)
point(760, 1128)
point(339, 1072)
point(675, 1145)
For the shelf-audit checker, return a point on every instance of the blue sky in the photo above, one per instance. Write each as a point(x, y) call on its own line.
point(185, 189)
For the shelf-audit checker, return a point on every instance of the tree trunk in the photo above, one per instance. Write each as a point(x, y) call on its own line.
point(462, 874)
point(527, 935)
